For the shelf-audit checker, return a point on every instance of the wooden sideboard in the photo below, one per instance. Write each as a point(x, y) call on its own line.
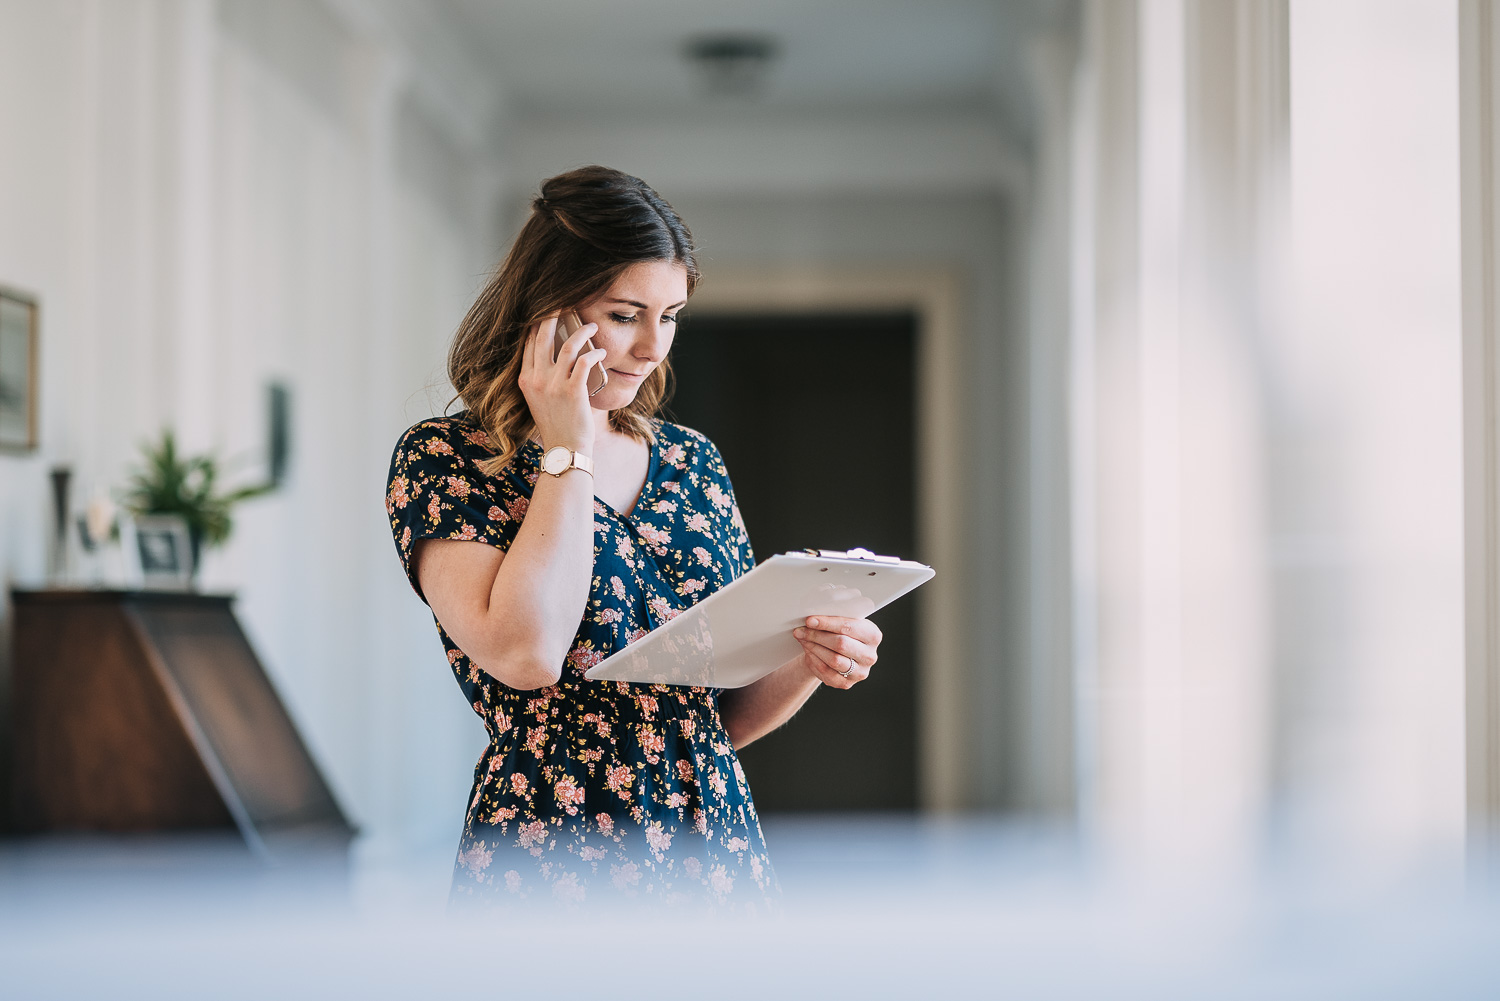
point(148, 711)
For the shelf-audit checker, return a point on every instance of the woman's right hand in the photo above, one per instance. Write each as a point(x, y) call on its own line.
point(557, 390)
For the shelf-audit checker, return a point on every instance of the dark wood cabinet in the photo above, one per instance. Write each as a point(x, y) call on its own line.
point(148, 711)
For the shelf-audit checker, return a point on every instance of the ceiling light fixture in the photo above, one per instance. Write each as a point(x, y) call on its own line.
point(734, 64)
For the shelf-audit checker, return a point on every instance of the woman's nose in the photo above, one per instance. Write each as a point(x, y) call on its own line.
point(653, 347)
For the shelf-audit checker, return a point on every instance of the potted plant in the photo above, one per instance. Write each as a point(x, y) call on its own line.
point(168, 483)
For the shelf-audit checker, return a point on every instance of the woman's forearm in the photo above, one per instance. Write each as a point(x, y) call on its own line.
point(542, 585)
point(515, 613)
point(751, 712)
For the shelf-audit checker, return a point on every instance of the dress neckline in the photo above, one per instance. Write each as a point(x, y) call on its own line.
point(653, 465)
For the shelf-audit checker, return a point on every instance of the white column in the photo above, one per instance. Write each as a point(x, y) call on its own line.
point(1368, 487)
point(1171, 606)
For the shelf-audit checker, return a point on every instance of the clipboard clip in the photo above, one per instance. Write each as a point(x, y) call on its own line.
point(857, 553)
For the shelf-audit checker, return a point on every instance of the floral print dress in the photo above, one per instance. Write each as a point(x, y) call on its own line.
point(595, 789)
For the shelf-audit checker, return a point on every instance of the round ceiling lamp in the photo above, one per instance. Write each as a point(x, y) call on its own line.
point(732, 64)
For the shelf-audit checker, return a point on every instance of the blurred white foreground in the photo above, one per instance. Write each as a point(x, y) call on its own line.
point(875, 908)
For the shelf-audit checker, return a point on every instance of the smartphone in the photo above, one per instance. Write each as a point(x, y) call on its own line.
point(567, 324)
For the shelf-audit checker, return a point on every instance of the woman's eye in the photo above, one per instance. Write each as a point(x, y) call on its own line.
point(668, 319)
point(621, 319)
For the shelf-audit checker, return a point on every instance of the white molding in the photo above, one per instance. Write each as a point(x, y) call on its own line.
point(943, 731)
point(778, 153)
point(1481, 409)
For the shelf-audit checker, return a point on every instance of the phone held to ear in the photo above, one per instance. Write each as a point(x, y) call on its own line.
point(567, 324)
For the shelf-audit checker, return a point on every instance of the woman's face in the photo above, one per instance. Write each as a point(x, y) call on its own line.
point(637, 319)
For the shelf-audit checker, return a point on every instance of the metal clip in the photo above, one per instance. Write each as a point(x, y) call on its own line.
point(857, 553)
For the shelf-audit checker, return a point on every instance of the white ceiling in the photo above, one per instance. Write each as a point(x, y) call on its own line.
point(582, 59)
point(872, 95)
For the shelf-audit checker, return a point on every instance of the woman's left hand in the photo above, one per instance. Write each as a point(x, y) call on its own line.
point(837, 650)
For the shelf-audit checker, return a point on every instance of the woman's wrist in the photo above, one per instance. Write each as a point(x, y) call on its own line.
point(580, 443)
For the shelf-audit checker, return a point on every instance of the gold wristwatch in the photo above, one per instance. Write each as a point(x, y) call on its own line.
point(558, 460)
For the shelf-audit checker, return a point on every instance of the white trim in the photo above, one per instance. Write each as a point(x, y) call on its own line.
point(779, 153)
point(943, 726)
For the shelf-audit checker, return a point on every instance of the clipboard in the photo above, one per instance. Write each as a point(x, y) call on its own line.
point(743, 632)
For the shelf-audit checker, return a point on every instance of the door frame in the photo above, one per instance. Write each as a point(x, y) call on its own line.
point(933, 298)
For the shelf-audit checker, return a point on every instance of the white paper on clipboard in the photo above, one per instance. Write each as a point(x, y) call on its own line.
point(743, 632)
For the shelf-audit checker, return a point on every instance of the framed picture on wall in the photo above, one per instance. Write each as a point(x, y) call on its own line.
point(18, 371)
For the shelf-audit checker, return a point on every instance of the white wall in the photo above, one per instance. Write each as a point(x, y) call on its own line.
point(208, 196)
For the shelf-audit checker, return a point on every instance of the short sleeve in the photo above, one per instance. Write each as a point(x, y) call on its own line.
point(436, 490)
point(720, 491)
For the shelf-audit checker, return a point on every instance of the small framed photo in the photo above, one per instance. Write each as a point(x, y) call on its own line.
point(160, 551)
point(18, 372)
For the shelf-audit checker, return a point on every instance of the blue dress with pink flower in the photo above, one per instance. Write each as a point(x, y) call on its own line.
point(593, 789)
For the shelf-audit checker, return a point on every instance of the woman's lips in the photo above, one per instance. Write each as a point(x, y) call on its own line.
point(633, 376)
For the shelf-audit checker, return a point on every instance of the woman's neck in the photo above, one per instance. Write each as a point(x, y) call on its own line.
point(606, 433)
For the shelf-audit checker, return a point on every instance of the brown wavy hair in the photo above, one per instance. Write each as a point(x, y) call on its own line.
point(586, 228)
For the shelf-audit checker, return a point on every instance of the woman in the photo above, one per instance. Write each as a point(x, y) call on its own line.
point(546, 528)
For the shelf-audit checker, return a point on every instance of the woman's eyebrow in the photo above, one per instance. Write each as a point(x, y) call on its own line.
point(642, 305)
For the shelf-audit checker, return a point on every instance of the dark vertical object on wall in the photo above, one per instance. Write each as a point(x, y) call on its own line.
point(278, 431)
point(61, 477)
point(142, 711)
point(815, 416)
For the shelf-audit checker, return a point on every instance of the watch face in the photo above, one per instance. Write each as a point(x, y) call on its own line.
point(556, 460)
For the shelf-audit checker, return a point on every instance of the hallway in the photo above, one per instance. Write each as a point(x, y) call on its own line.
point(1165, 331)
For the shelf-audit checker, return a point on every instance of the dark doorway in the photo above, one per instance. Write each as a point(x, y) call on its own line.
point(815, 414)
